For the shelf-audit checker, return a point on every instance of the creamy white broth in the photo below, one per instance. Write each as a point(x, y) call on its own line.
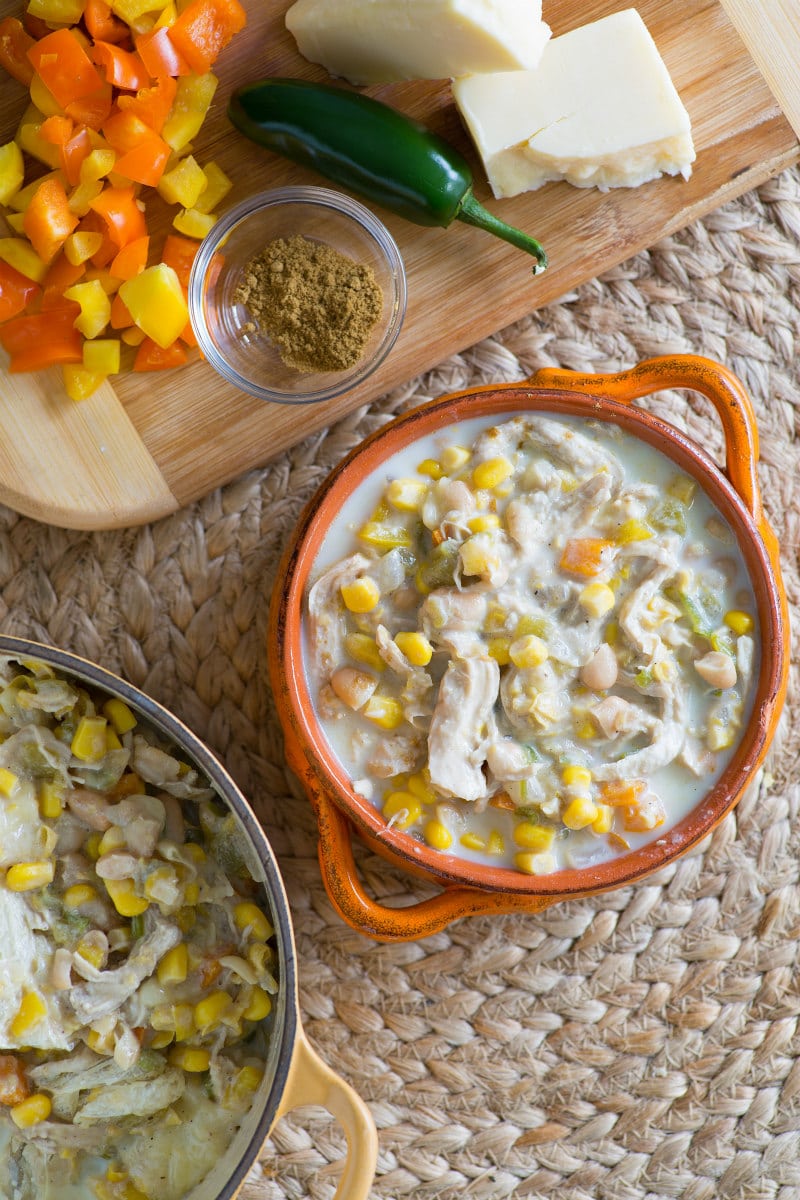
point(613, 489)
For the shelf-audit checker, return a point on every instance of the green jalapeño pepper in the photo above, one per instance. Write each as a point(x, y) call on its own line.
point(372, 149)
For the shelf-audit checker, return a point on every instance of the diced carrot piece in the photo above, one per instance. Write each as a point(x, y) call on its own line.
point(617, 792)
point(584, 556)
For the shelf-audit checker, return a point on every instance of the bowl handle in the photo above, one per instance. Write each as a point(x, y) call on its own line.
point(311, 1081)
point(379, 921)
point(724, 389)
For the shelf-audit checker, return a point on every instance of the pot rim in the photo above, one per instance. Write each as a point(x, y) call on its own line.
point(286, 1028)
point(291, 686)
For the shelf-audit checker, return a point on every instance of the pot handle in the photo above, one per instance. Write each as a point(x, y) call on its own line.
point(379, 921)
point(311, 1081)
point(713, 380)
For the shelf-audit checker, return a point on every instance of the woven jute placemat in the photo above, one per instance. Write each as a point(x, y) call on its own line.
point(636, 1046)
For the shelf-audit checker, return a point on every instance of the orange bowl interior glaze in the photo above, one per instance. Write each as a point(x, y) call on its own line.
point(470, 888)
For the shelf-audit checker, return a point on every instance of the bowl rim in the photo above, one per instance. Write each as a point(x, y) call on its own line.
point(311, 195)
point(304, 733)
point(287, 1024)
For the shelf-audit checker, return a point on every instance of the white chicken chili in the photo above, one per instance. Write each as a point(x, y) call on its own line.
point(138, 959)
point(531, 644)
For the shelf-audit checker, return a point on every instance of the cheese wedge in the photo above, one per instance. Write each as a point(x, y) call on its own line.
point(382, 41)
point(600, 110)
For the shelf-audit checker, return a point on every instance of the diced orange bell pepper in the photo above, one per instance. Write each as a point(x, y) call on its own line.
point(159, 55)
point(56, 130)
point(101, 23)
point(38, 340)
point(584, 556)
point(73, 152)
point(35, 26)
point(123, 216)
point(94, 109)
point(204, 29)
point(61, 274)
point(16, 291)
point(151, 104)
point(120, 317)
point(179, 253)
point(123, 68)
point(15, 42)
point(141, 154)
point(157, 304)
point(131, 260)
point(64, 67)
point(48, 220)
point(150, 357)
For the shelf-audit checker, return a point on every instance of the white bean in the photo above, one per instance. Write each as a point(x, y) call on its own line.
point(717, 668)
point(353, 687)
point(600, 672)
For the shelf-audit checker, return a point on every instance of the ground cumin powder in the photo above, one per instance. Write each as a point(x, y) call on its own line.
point(317, 305)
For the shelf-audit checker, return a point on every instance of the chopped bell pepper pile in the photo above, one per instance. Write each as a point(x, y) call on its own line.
point(117, 90)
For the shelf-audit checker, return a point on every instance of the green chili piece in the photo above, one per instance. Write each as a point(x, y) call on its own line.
point(373, 150)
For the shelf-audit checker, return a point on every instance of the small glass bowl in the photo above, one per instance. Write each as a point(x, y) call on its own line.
point(246, 357)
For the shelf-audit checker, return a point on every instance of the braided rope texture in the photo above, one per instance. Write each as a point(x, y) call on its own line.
point(641, 1045)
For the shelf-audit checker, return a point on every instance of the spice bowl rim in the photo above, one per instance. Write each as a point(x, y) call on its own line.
point(341, 206)
point(294, 1074)
point(313, 759)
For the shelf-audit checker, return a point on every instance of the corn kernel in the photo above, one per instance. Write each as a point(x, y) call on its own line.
point(493, 471)
point(663, 670)
point(403, 809)
point(611, 635)
point(384, 711)
point(453, 458)
point(25, 877)
point(597, 599)
point(418, 786)
point(528, 651)
point(496, 844)
point(529, 836)
point(92, 846)
point(534, 864)
point(249, 918)
point(161, 1039)
point(406, 495)
point(579, 813)
point(91, 951)
point(193, 1059)
point(575, 774)
point(498, 649)
point(248, 1079)
point(364, 649)
point(31, 1111)
point(124, 898)
point(416, 648)
point(119, 715)
point(633, 531)
point(483, 522)
point(472, 841)
point(211, 1010)
point(112, 839)
point(31, 1010)
point(89, 742)
point(191, 893)
point(78, 894)
point(259, 1006)
point(739, 622)
point(8, 781)
point(362, 595)
point(431, 468)
point(604, 819)
point(116, 1173)
point(51, 800)
point(438, 835)
point(174, 966)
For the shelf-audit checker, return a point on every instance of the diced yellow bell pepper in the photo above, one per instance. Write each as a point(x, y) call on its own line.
point(156, 303)
point(189, 108)
point(81, 245)
point(57, 12)
point(12, 171)
point(81, 196)
point(44, 99)
point(217, 187)
point(29, 139)
point(95, 307)
point(20, 254)
point(131, 11)
point(193, 223)
point(21, 199)
point(101, 356)
point(98, 163)
point(184, 183)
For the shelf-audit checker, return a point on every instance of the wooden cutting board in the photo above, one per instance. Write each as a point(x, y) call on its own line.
point(151, 443)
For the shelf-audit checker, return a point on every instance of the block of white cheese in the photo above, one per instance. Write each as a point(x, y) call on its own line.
point(600, 110)
point(382, 41)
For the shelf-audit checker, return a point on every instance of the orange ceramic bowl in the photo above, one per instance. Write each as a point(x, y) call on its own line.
point(469, 887)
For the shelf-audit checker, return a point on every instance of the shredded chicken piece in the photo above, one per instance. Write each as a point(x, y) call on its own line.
point(326, 619)
point(109, 992)
point(457, 737)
